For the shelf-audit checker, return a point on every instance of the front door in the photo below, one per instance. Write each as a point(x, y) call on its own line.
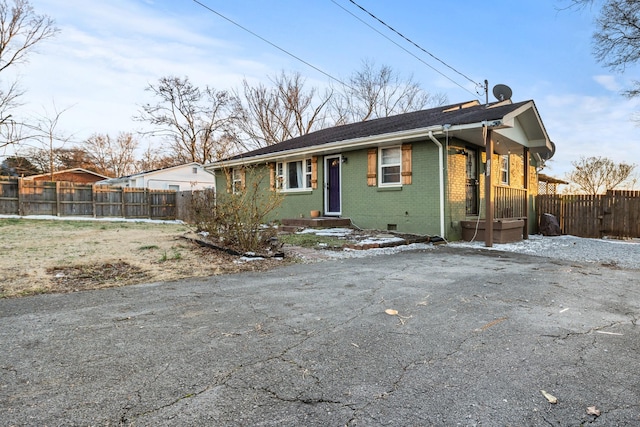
point(472, 181)
point(332, 186)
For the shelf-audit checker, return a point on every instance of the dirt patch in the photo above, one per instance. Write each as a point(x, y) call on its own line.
point(91, 276)
point(40, 256)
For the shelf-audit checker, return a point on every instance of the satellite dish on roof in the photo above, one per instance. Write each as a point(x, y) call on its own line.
point(502, 92)
point(549, 154)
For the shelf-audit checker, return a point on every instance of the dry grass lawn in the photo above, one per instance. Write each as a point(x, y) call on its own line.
point(40, 256)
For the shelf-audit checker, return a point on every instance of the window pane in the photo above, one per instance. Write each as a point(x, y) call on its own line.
point(390, 165)
point(299, 173)
point(504, 169)
point(390, 156)
point(307, 175)
point(391, 174)
point(294, 175)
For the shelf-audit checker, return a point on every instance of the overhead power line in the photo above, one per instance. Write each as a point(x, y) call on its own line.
point(270, 43)
point(415, 44)
point(403, 48)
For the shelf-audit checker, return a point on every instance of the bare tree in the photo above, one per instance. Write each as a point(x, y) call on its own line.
point(21, 29)
point(63, 158)
point(379, 92)
point(616, 40)
point(153, 158)
point(47, 133)
point(595, 175)
point(195, 121)
point(39, 157)
point(284, 111)
point(74, 157)
point(112, 157)
point(204, 125)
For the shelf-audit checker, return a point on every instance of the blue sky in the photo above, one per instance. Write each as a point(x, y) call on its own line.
point(108, 51)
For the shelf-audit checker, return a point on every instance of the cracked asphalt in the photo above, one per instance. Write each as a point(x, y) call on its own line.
point(477, 335)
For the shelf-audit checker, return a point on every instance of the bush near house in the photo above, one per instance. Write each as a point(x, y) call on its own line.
point(237, 219)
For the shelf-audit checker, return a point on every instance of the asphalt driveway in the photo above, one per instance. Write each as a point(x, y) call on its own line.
point(477, 336)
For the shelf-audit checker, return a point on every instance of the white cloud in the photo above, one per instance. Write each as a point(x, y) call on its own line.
point(588, 126)
point(608, 82)
point(107, 53)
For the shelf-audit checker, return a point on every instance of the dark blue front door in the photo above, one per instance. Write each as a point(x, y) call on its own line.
point(332, 186)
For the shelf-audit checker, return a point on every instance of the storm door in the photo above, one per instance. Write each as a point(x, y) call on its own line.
point(472, 181)
point(332, 185)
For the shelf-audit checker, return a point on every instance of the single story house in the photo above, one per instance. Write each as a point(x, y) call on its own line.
point(428, 172)
point(187, 177)
point(76, 175)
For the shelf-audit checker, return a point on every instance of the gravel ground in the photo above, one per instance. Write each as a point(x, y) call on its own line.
point(609, 252)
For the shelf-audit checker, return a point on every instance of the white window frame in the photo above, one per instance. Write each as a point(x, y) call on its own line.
point(236, 180)
point(382, 167)
point(282, 175)
point(279, 175)
point(307, 173)
point(504, 169)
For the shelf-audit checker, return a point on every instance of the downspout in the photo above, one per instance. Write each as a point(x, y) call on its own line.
point(441, 176)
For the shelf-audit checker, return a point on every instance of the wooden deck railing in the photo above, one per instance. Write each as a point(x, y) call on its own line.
point(509, 202)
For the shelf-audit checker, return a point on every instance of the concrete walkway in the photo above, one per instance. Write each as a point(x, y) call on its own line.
point(474, 338)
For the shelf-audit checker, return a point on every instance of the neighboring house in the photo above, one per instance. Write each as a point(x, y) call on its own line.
point(421, 172)
point(188, 177)
point(77, 175)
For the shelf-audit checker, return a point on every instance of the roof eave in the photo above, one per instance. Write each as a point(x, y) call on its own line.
point(330, 147)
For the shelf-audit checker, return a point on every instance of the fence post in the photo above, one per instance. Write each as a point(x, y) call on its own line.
point(148, 193)
point(57, 198)
point(20, 208)
point(124, 205)
point(93, 199)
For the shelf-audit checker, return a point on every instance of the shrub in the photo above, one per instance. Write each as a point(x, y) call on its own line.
point(238, 219)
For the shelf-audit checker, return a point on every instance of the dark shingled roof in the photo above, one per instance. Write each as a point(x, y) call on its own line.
point(448, 114)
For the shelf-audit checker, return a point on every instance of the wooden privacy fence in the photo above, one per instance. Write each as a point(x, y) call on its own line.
point(26, 197)
point(615, 214)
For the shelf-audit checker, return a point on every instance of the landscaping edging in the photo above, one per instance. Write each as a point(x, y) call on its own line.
point(387, 244)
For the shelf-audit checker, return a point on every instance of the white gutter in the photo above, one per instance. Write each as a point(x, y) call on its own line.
point(441, 176)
